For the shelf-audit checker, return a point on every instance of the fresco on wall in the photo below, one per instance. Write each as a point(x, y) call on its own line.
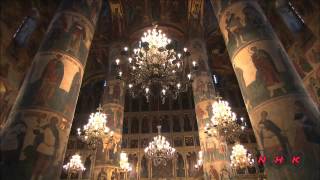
point(144, 171)
point(264, 74)
point(37, 140)
point(88, 8)
point(242, 27)
point(180, 168)
point(114, 92)
point(69, 34)
point(54, 84)
point(135, 12)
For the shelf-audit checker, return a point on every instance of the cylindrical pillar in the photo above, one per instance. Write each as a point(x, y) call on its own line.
point(34, 140)
point(214, 148)
point(113, 106)
point(285, 120)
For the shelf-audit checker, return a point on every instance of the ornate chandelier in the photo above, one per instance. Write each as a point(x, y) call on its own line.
point(124, 164)
point(224, 122)
point(155, 66)
point(96, 131)
point(240, 158)
point(75, 165)
point(159, 150)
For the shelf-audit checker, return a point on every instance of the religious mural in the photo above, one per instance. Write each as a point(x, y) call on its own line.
point(54, 84)
point(242, 27)
point(36, 139)
point(144, 170)
point(264, 74)
point(88, 8)
point(180, 167)
point(69, 34)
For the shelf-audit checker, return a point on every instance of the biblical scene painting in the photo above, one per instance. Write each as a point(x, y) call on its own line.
point(295, 132)
point(40, 137)
point(263, 73)
point(54, 84)
point(69, 34)
point(240, 28)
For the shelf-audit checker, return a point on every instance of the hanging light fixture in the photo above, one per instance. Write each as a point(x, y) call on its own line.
point(159, 150)
point(156, 67)
point(224, 122)
point(240, 157)
point(96, 130)
point(124, 164)
point(75, 165)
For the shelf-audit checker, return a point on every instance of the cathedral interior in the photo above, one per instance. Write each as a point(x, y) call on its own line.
point(61, 60)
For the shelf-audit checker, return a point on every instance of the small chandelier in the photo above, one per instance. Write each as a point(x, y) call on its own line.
point(224, 122)
point(96, 130)
point(240, 158)
point(159, 150)
point(199, 160)
point(124, 164)
point(156, 67)
point(75, 165)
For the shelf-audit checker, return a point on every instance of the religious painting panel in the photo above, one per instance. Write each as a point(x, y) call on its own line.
point(135, 125)
point(135, 11)
point(263, 72)
point(114, 92)
point(162, 171)
point(53, 84)
point(71, 34)
point(214, 149)
point(145, 125)
point(242, 23)
point(41, 137)
point(286, 125)
point(312, 84)
point(180, 168)
point(144, 169)
point(187, 123)
point(202, 86)
point(165, 123)
point(176, 123)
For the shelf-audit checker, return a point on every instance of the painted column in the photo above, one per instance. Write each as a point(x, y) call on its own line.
point(214, 148)
point(113, 106)
point(285, 120)
point(34, 140)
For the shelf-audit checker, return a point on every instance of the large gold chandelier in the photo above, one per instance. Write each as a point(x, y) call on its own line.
point(96, 131)
point(224, 121)
point(155, 67)
point(159, 150)
point(240, 157)
point(75, 165)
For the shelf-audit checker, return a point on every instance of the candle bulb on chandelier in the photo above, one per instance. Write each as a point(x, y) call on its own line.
point(117, 61)
point(189, 76)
